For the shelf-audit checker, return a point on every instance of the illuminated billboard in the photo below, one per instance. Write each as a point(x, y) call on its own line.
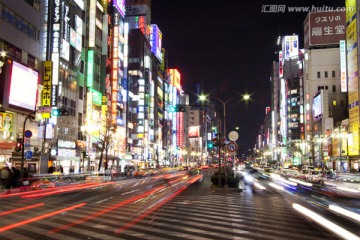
point(156, 41)
point(343, 76)
point(92, 17)
point(290, 47)
point(280, 64)
point(324, 28)
point(317, 107)
point(23, 86)
point(194, 131)
point(353, 76)
point(175, 78)
point(120, 6)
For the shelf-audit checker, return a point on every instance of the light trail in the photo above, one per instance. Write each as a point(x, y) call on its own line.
point(345, 212)
point(325, 223)
point(21, 209)
point(154, 208)
point(35, 219)
point(121, 204)
point(63, 190)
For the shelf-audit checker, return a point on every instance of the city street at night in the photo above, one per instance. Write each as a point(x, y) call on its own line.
point(179, 119)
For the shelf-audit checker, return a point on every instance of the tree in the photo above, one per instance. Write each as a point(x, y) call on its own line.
point(106, 134)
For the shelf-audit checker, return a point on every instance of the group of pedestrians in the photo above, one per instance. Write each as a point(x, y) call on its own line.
point(10, 177)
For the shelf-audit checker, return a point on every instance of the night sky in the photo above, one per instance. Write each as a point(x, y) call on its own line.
point(228, 47)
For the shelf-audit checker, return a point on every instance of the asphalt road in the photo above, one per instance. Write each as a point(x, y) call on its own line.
point(174, 206)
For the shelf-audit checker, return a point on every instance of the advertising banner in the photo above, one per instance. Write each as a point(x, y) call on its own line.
point(324, 28)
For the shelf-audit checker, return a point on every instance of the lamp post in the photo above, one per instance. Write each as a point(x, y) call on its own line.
point(224, 103)
point(23, 147)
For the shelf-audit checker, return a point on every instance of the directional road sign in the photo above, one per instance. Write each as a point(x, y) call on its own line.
point(28, 154)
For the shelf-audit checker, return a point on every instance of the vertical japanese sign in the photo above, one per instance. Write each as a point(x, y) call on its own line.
point(343, 76)
point(46, 93)
point(92, 22)
point(55, 36)
point(352, 74)
point(114, 68)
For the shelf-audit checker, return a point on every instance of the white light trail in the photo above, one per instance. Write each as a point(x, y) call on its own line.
point(345, 212)
point(325, 223)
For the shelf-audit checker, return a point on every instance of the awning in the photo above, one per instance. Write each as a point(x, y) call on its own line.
point(18, 158)
point(109, 157)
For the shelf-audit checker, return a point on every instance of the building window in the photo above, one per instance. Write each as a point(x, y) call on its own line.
point(334, 88)
point(318, 75)
point(333, 74)
point(20, 23)
point(326, 74)
point(81, 92)
point(326, 87)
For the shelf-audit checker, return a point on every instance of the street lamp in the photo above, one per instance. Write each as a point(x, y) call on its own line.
point(224, 103)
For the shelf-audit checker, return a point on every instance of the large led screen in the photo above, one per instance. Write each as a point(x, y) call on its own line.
point(23, 86)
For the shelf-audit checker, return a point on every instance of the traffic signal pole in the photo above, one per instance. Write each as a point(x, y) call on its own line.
point(23, 147)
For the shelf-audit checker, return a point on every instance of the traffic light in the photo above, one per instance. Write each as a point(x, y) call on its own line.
point(210, 145)
point(214, 142)
point(55, 112)
point(177, 108)
point(19, 145)
point(172, 109)
point(59, 112)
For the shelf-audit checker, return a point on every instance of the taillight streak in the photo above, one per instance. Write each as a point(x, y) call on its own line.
point(121, 204)
point(34, 219)
point(163, 202)
point(21, 209)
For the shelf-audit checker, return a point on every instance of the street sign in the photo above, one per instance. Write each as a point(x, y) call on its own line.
point(232, 146)
point(44, 109)
point(28, 154)
point(28, 134)
point(233, 136)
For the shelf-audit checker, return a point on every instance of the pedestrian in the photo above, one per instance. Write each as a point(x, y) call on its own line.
point(4, 175)
point(25, 174)
point(61, 169)
point(9, 179)
point(16, 177)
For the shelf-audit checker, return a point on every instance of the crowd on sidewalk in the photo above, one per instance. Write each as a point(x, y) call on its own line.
point(10, 177)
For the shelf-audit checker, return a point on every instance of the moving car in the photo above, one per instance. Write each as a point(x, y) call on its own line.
point(141, 173)
point(43, 183)
point(314, 176)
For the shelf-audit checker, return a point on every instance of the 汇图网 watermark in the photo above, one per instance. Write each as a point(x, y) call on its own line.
point(297, 9)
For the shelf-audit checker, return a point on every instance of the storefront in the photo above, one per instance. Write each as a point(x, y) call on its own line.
point(65, 155)
point(6, 149)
